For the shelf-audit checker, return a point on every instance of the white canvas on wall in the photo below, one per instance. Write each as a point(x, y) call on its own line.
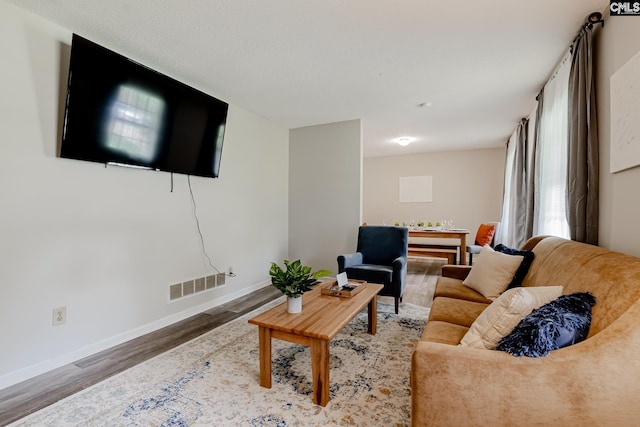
point(416, 189)
point(625, 116)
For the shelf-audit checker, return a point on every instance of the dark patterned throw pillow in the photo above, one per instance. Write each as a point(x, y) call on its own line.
point(522, 271)
point(560, 323)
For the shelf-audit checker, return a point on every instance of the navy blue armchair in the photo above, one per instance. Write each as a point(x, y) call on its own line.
point(381, 257)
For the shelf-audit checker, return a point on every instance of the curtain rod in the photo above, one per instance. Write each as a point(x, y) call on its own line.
point(593, 19)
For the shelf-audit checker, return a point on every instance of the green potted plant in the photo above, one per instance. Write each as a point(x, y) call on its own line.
point(294, 280)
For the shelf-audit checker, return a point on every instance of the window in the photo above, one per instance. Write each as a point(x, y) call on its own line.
point(550, 211)
point(134, 121)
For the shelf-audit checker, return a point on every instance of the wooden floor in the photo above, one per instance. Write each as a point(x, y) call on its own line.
point(41, 391)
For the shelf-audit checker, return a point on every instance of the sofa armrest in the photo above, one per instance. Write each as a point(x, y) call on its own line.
point(348, 260)
point(590, 383)
point(459, 272)
point(532, 242)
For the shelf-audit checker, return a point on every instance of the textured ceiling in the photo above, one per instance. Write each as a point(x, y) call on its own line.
point(476, 65)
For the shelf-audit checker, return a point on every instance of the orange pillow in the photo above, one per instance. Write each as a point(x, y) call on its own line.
point(485, 233)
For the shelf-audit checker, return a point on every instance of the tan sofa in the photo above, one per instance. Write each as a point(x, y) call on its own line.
point(592, 383)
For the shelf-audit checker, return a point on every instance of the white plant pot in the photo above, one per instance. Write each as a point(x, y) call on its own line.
point(294, 304)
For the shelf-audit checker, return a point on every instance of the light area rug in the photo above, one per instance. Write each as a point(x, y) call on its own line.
point(213, 380)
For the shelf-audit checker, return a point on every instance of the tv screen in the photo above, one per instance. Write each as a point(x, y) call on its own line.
point(120, 112)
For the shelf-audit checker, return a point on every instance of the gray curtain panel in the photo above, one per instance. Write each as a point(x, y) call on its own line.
point(521, 195)
point(582, 176)
point(532, 152)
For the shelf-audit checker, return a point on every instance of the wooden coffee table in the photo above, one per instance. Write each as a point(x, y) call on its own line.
point(321, 319)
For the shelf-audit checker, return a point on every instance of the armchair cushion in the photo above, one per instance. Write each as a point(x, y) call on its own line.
point(371, 273)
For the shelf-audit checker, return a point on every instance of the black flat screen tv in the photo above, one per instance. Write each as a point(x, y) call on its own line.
point(121, 112)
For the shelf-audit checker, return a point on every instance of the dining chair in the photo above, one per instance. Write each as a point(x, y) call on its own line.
point(486, 234)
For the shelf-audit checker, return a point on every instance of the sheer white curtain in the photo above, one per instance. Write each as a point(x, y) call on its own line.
point(550, 209)
point(507, 222)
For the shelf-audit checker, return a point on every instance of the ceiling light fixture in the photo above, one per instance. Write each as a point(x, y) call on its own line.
point(404, 140)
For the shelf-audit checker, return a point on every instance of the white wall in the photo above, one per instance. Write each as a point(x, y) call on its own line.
point(324, 192)
point(107, 243)
point(467, 187)
point(618, 41)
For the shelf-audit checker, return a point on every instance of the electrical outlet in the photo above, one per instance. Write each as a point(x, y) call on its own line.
point(230, 271)
point(59, 315)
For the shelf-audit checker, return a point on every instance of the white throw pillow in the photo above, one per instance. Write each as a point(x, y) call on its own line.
point(504, 314)
point(492, 272)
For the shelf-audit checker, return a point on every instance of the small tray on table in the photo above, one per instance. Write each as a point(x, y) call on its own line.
point(351, 289)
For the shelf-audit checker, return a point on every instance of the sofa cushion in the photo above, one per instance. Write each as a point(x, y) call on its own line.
point(499, 319)
point(456, 311)
point(453, 288)
point(559, 323)
point(443, 332)
point(492, 272)
point(522, 271)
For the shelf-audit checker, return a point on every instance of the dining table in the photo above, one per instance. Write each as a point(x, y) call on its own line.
point(460, 234)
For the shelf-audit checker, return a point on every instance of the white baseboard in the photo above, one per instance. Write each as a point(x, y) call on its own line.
point(12, 378)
